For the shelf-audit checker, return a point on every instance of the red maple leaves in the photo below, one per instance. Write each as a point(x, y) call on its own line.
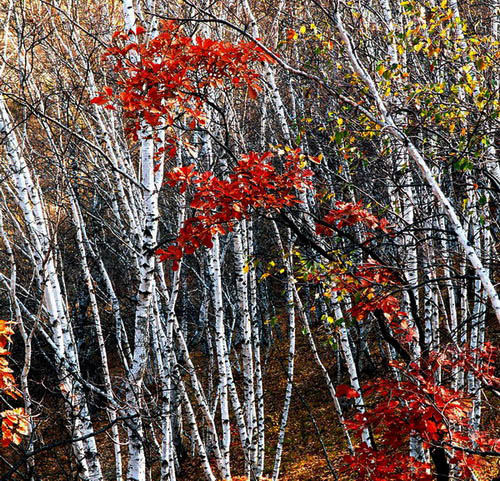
point(14, 421)
point(254, 184)
point(418, 405)
point(343, 390)
point(345, 214)
point(169, 77)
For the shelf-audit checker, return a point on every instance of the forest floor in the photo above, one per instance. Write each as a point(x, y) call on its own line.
point(304, 458)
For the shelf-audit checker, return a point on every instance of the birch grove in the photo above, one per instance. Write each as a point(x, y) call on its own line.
point(233, 231)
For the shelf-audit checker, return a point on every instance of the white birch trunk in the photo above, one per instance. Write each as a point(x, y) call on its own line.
point(326, 375)
point(247, 357)
point(30, 201)
point(259, 386)
point(221, 347)
point(81, 238)
point(351, 369)
point(286, 256)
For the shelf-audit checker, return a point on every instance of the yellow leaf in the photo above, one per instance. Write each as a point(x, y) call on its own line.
point(246, 268)
point(418, 47)
point(303, 29)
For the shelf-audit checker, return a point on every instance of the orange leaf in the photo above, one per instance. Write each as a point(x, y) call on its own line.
point(346, 391)
point(99, 100)
point(252, 93)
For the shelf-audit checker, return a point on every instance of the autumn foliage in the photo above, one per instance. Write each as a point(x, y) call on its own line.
point(169, 78)
point(255, 184)
point(14, 421)
point(417, 401)
point(418, 404)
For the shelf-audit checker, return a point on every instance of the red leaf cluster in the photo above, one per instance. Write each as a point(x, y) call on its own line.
point(255, 183)
point(418, 405)
point(167, 77)
point(14, 425)
point(14, 421)
point(346, 214)
point(367, 285)
point(418, 402)
point(377, 465)
point(7, 381)
point(343, 390)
